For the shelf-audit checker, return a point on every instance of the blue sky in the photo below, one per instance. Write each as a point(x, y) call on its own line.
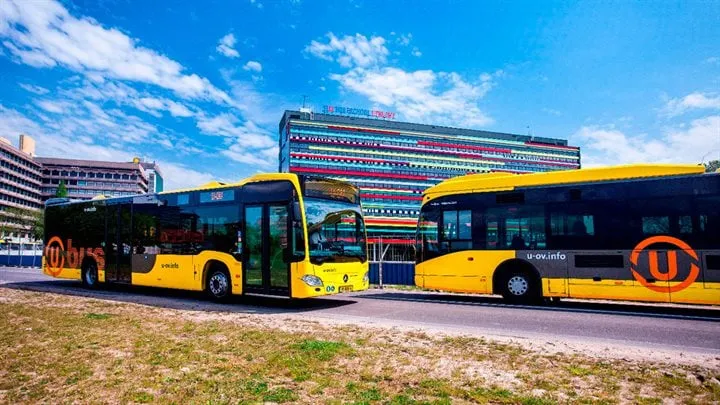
point(201, 87)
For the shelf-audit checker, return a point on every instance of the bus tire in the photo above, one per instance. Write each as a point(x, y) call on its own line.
point(519, 283)
point(89, 275)
point(218, 285)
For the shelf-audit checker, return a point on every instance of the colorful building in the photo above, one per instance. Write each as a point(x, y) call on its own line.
point(394, 162)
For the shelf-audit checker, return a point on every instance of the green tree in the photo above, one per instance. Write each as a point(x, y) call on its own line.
point(61, 190)
point(37, 225)
point(712, 166)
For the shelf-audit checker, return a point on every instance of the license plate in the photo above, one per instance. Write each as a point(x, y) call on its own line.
point(345, 288)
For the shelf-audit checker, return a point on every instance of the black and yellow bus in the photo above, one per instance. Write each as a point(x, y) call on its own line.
point(634, 232)
point(273, 234)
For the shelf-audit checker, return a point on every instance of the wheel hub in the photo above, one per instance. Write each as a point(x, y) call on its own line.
point(518, 285)
point(90, 276)
point(218, 284)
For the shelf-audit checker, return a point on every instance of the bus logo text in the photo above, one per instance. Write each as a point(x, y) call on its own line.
point(671, 264)
point(56, 254)
point(546, 256)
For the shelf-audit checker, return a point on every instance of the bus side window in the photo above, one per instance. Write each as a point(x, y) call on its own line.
point(572, 224)
point(457, 230)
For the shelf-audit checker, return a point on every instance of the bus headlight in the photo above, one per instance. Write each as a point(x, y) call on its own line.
point(312, 281)
point(366, 277)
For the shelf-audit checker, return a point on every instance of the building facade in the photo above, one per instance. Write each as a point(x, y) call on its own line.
point(20, 182)
point(394, 162)
point(156, 183)
point(85, 179)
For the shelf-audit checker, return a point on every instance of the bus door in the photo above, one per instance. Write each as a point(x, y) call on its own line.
point(118, 244)
point(266, 270)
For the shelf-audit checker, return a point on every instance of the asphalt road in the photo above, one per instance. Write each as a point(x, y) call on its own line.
point(695, 329)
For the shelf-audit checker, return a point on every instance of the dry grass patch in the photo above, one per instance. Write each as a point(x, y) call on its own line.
point(74, 349)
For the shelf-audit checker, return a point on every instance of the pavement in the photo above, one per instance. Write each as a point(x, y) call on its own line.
point(693, 329)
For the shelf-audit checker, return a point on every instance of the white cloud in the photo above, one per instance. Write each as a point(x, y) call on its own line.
point(123, 94)
point(256, 3)
point(265, 158)
point(683, 144)
point(350, 51)
point(177, 109)
point(152, 105)
point(322, 88)
point(253, 65)
point(423, 95)
point(226, 46)
point(443, 98)
point(260, 108)
point(50, 143)
point(693, 101)
point(713, 60)
point(177, 176)
point(45, 34)
point(34, 89)
point(52, 106)
point(248, 133)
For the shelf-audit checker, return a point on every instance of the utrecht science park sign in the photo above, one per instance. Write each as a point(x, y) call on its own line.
point(358, 112)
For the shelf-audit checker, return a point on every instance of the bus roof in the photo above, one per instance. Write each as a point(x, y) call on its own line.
point(292, 177)
point(207, 186)
point(216, 184)
point(492, 182)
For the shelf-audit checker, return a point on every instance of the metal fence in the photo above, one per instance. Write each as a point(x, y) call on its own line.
point(392, 248)
point(392, 273)
point(15, 260)
point(392, 260)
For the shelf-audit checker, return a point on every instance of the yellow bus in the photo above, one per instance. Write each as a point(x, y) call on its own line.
point(634, 232)
point(281, 235)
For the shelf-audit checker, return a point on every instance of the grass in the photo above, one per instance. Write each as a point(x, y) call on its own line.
point(322, 350)
point(64, 349)
point(97, 316)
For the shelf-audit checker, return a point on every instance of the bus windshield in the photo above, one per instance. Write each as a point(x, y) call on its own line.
point(336, 231)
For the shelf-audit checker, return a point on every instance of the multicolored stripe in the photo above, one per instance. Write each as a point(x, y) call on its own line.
point(393, 167)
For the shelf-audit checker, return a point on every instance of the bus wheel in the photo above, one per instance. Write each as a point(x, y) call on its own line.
point(218, 283)
point(90, 275)
point(520, 287)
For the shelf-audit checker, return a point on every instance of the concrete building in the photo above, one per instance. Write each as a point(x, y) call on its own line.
point(155, 177)
point(20, 181)
point(86, 179)
point(394, 162)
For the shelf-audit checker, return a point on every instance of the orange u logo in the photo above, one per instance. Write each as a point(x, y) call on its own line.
point(55, 256)
point(671, 261)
